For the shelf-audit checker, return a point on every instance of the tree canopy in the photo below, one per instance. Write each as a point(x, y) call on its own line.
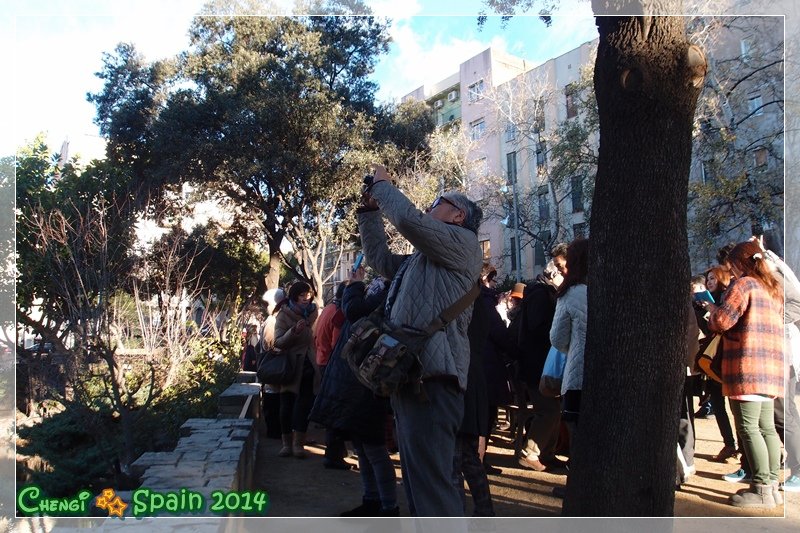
point(275, 112)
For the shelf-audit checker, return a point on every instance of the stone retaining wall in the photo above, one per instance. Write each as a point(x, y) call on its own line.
point(212, 454)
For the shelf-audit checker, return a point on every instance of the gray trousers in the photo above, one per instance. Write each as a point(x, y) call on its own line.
point(426, 436)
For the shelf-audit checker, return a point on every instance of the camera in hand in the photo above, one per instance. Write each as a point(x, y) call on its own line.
point(367, 182)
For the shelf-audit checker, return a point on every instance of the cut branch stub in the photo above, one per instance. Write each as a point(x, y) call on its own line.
point(697, 64)
point(631, 79)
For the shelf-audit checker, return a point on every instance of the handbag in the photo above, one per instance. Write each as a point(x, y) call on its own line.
point(276, 368)
point(709, 360)
point(552, 373)
point(385, 358)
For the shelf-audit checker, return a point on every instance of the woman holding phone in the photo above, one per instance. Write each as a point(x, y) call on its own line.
point(751, 320)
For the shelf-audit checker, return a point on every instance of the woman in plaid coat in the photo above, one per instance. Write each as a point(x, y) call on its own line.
point(751, 319)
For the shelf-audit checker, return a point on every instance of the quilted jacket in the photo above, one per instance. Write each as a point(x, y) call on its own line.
point(568, 335)
point(446, 264)
point(752, 343)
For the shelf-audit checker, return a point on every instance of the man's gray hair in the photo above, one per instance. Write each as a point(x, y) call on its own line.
point(473, 213)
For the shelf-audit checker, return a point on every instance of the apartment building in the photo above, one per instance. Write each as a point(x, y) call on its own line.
point(486, 96)
point(739, 139)
point(511, 109)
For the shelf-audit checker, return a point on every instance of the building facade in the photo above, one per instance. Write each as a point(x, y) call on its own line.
point(509, 109)
point(515, 113)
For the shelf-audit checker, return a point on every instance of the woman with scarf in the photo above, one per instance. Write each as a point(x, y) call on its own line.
point(294, 337)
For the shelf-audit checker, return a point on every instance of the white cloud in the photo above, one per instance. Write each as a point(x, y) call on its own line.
point(418, 59)
point(57, 52)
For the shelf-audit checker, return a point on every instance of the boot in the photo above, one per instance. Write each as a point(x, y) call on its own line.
point(298, 445)
point(758, 497)
point(394, 511)
point(286, 449)
point(367, 508)
point(776, 493)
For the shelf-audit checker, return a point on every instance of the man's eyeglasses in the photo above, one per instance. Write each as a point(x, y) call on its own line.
point(440, 200)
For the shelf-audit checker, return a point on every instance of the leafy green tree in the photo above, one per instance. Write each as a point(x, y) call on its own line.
point(75, 229)
point(54, 206)
point(272, 111)
point(225, 266)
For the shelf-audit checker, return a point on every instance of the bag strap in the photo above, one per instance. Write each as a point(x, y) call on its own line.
point(452, 312)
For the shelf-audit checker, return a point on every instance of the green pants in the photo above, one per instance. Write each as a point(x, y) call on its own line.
point(755, 425)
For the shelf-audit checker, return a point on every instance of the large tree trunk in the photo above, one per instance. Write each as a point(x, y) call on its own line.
point(647, 80)
point(273, 277)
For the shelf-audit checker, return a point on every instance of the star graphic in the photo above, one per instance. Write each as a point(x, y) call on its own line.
point(117, 507)
point(106, 496)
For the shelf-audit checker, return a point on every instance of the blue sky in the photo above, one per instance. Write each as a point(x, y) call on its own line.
point(58, 46)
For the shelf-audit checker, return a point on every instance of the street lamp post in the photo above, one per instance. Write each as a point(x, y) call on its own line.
point(516, 250)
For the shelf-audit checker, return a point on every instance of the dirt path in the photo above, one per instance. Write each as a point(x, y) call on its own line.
point(303, 488)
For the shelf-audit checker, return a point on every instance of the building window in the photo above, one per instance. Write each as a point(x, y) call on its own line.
point(486, 249)
point(512, 246)
point(706, 175)
point(747, 49)
point(577, 194)
point(477, 129)
point(511, 132)
point(481, 167)
point(579, 230)
point(754, 105)
point(572, 107)
point(539, 258)
point(538, 117)
point(760, 156)
point(540, 160)
point(511, 168)
point(544, 204)
point(476, 91)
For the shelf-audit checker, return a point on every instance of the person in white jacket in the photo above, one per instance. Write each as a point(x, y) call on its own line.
point(568, 332)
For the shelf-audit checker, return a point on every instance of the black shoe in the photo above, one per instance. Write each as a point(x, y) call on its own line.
point(368, 508)
point(704, 411)
point(493, 470)
point(553, 463)
point(335, 465)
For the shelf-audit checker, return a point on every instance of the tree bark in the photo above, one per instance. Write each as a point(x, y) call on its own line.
point(647, 80)
point(273, 277)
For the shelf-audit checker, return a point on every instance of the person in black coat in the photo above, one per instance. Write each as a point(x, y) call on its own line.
point(349, 407)
point(467, 464)
point(494, 346)
point(533, 344)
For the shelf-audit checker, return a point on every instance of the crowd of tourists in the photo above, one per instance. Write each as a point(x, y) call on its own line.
point(490, 350)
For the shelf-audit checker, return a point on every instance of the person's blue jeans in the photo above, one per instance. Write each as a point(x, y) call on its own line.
point(377, 473)
point(427, 425)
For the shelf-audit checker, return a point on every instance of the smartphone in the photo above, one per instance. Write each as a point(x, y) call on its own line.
point(359, 260)
point(704, 295)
